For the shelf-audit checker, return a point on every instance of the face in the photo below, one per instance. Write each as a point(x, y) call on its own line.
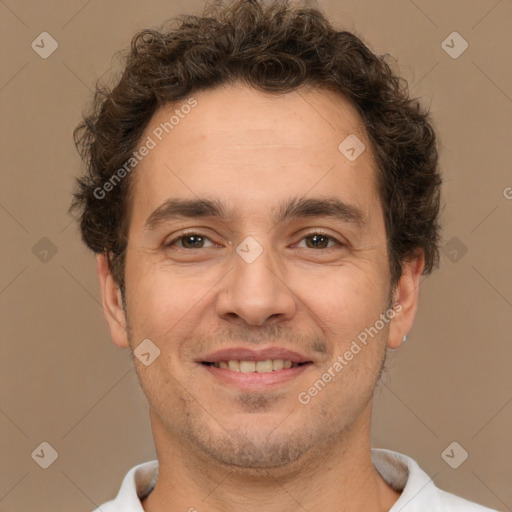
point(255, 244)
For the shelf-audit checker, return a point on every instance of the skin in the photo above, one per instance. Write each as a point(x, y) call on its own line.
point(221, 448)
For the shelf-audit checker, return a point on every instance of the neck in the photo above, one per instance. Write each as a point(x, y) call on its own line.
point(337, 477)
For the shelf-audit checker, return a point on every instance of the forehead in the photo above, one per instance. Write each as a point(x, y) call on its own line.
point(238, 142)
point(236, 115)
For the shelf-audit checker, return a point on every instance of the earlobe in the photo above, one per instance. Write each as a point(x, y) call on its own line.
point(112, 302)
point(405, 296)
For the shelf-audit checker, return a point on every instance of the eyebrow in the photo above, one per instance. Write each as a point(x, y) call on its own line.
point(293, 208)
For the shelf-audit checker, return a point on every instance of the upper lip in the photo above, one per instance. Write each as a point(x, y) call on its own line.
point(247, 354)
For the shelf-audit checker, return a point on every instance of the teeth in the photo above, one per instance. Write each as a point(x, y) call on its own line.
point(234, 366)
point(268, 365)
point(277, 364)
point(247, 366)
point(264, 366)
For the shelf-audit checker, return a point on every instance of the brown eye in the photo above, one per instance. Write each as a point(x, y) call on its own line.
point(319, 241)
point(189, 241)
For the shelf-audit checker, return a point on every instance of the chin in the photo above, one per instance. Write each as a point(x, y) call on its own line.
point(245, 454)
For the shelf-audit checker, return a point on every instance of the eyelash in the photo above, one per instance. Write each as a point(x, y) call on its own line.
point(190, 233)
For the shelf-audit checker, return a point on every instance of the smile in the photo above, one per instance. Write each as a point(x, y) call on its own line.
point(255, 376)
point(264, 366)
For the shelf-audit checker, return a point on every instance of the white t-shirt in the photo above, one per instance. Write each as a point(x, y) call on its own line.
point(419, 494)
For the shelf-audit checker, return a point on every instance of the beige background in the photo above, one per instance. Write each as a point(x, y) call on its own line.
point(65, 383)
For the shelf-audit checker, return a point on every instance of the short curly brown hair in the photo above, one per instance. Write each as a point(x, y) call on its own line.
point(276, 48)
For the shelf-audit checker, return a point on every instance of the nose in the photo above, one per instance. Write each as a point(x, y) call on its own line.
point(255, 292)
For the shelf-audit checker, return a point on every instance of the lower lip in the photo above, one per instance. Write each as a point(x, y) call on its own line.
point(254, 380)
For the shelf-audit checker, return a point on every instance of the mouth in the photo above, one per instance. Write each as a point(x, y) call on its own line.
point(250, 370)
point(262, 366)
point(255, 374)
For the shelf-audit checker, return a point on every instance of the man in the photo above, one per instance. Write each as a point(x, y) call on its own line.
point(263, 198)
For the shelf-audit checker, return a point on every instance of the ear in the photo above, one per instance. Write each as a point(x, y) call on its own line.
point(112, 301)
point(405, 295)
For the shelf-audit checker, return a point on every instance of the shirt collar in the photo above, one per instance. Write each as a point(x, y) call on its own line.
point(400, 472)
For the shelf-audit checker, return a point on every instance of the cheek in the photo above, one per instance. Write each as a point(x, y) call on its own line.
point(341, 299)
point(164, 297)
point(344, 300)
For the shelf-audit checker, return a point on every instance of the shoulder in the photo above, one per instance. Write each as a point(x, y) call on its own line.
point(109, 506)
point(138, 482)
point(451, 502)
point(418, 491)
